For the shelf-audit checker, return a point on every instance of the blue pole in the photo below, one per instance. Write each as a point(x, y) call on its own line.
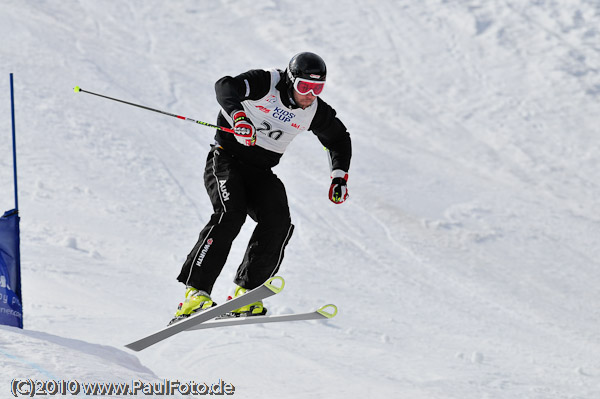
point(12, 108)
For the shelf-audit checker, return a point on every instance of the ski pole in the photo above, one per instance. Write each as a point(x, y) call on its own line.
point(78, 89)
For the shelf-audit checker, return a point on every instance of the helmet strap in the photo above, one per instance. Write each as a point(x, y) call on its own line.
point(287, 90)
point(290, 93)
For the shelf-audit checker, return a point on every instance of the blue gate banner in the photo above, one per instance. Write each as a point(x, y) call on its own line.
point(11, 309)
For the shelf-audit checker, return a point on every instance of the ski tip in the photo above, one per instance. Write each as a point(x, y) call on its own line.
point(77, 89)
point(328, 313)
point(134, 346)
point(276, 289)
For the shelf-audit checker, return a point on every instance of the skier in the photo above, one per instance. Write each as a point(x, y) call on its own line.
point(266, 109)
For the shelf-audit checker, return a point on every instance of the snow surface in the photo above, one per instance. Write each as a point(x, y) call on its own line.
point(465, 265)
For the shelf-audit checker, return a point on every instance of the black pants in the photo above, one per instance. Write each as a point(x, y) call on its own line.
point(238, 189)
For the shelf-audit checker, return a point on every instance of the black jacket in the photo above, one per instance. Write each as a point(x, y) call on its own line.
point(254, 85)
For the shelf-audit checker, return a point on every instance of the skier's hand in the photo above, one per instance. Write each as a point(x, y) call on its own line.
point(338, 192)
point(244, 130)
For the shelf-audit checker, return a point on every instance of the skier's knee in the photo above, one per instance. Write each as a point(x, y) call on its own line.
point(232, 218)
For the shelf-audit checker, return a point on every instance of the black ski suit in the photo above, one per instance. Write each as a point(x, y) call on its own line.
point(240, 182)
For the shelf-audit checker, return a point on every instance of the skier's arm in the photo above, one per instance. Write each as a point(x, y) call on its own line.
point(333, 135)
point(251, 85)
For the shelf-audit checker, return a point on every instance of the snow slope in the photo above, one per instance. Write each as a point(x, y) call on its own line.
point(465, 265)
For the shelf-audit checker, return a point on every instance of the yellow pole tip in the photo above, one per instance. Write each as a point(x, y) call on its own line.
point(76, 89)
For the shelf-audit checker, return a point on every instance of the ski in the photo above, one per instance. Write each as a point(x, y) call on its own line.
point(264, 291)
point(319, 314)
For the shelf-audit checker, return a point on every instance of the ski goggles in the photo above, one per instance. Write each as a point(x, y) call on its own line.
point(305, 86)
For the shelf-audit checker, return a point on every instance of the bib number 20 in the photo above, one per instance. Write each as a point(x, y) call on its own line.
point(267, 129)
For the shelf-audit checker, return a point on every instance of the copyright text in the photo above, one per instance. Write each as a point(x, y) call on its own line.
point(27, 387)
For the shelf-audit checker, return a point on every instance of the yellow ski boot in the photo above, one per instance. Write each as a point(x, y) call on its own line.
point(195, 301)
point(253, 309)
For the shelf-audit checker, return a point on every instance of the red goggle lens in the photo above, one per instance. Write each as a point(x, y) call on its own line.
point(304, 86)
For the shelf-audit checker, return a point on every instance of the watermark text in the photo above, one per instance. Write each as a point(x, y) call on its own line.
point(26, 387)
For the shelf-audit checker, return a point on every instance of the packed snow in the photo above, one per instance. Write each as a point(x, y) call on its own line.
point(466, 263)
